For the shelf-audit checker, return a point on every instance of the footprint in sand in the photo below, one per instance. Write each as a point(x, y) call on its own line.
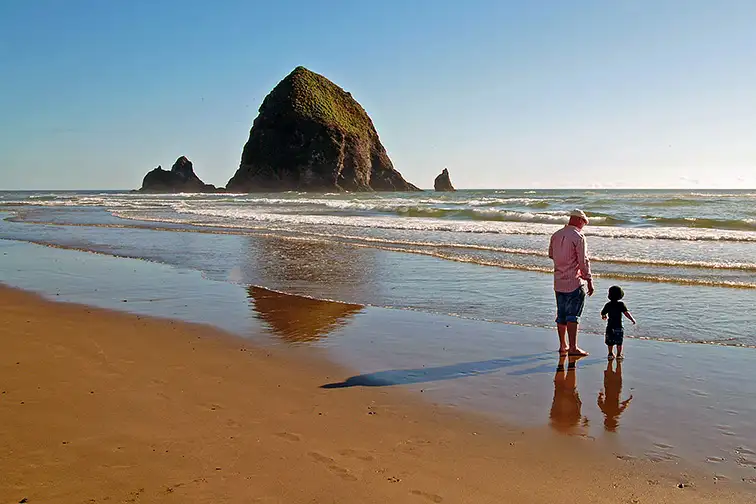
point(321, 458)
point(431, 497)
point(331, 464)
point(288, 436)
point(413, 446)
point(366, 457)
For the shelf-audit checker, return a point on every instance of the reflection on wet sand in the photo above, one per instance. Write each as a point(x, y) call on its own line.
point(298, 318)
point(609, 398)
point(566, 416)
point(285, 264)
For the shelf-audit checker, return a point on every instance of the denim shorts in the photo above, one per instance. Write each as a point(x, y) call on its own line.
point(570, 305)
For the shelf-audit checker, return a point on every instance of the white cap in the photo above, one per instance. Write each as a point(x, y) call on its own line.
point(580, 214)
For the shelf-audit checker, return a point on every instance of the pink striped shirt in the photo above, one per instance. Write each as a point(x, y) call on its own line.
point(570, 255)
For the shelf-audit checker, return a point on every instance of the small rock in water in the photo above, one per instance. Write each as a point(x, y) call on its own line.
point(180, 178)
point(443, 182)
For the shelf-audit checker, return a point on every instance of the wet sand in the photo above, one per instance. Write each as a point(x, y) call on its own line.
point(100, 406)
point(684, 408)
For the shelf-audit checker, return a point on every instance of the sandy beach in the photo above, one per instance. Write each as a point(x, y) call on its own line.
point(100, 406)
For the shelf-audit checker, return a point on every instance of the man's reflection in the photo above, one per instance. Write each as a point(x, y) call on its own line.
point(299, 318)
point(566, 416)
point(609, 398)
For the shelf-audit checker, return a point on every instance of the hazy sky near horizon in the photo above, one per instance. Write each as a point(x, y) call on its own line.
point(514, 94)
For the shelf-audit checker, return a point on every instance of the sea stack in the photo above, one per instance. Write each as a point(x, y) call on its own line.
point(180, 178)
point(443, 182)
point(311, 135)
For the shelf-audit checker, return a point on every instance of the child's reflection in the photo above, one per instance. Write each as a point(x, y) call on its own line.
point(609, 398)
point(565, 413)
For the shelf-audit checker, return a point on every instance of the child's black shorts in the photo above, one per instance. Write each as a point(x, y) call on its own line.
point(614, 336)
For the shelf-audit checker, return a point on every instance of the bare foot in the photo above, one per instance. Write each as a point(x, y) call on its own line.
point(563, 351)
point(621, 357)
point(578, 352)
point(611, 356)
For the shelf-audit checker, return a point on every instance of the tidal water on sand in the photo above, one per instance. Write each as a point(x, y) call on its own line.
point(685, 259)
point(466, 279)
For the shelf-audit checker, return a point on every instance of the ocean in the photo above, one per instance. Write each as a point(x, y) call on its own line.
point(686, 259)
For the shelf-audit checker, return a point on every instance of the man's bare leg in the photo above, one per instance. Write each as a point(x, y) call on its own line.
point(572, 334)
point(562, 332)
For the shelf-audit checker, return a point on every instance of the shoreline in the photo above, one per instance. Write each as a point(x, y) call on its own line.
point(214, 232)
point(426, 267)
point(102, 404)
point(685, 409)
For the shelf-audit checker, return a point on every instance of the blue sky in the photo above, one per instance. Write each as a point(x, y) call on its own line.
point(520, 94)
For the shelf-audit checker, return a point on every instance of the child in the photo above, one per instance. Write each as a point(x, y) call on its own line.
point(614, 310)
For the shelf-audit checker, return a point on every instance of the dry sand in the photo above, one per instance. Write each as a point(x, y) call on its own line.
point(99, 406)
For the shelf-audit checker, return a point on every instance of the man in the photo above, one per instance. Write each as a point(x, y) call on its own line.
point(569, 252)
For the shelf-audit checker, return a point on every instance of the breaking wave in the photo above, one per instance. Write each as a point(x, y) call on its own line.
point(701, 223)
point(239, 217)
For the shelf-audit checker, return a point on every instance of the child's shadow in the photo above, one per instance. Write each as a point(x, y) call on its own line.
point(609, 398)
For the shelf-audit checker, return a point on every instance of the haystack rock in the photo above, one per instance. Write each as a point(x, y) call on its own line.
point(311, 135)
point(443, 182)
point(180, 178)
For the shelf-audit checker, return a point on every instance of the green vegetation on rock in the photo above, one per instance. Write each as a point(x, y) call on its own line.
point(314, 97)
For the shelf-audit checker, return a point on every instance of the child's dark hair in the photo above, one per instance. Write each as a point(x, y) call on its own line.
point(616, 293)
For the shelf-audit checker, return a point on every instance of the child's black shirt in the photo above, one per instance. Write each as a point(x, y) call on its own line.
point(614, 309)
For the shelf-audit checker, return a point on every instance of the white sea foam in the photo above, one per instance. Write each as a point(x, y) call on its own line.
point(502, 212)
point(239, 217)
point(723, 195)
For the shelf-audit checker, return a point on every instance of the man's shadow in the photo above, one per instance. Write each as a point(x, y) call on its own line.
point(431, 374)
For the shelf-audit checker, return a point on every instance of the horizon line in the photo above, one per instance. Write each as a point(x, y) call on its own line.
point(701, 188)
